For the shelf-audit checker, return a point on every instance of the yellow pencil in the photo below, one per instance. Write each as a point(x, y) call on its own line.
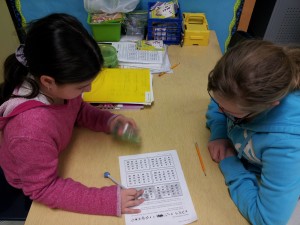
point(200, 158)
point(172, 67)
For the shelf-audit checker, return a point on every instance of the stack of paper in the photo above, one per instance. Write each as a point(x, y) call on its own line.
point(129, 56)
point(119, 87)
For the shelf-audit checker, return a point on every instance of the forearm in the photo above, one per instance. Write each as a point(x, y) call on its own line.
point(73, 196)
point(216, 122)
point(260, 205)
point(94, 118)
point(37, 175)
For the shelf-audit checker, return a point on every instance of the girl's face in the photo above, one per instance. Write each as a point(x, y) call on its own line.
point(69, 91)
point(231, 109)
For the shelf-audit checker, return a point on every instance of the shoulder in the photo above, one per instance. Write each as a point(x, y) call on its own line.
point(44, 117)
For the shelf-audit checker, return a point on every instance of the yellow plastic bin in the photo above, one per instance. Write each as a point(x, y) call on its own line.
point(105, 31)
point(196, 30)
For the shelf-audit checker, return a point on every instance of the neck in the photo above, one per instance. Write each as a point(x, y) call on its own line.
point(53, 100)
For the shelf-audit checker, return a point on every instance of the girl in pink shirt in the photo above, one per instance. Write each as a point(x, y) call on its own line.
point(40, 105)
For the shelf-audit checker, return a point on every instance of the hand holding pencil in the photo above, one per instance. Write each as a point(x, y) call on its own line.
point(129, 197)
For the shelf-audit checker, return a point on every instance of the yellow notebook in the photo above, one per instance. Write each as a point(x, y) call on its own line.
point(121, 86)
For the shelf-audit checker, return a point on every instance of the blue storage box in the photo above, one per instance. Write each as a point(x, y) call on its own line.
point(168, 29)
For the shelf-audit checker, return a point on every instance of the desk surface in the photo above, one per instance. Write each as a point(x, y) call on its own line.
point(176, 120)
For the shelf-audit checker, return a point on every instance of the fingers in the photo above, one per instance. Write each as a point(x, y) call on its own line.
point(221, 156)
point(213, 153)
point(229, 152)
point(132, 194)
point(139, 193)
point(128, 206)
point(130, 198)
point(216, 153)
point(129, 209)
point(122, 119)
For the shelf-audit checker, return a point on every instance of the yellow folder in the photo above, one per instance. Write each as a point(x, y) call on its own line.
point(121, 86)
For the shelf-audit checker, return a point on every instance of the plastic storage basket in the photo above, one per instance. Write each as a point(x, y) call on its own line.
point(169, 29)
point(105, 31)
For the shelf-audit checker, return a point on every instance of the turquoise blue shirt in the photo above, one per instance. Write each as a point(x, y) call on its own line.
point(267, 187)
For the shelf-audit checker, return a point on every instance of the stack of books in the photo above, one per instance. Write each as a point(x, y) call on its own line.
point(121, 89)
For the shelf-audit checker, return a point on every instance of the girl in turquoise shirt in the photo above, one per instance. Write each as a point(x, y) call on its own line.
point(254, 119)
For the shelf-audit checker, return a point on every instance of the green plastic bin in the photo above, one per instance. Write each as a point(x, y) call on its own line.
point(105, 31)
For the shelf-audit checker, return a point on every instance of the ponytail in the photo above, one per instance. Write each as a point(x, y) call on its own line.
point(14, 75)
point(57, 46)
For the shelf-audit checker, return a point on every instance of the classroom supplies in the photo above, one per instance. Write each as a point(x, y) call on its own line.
point(196, 30)
point(167, 198)
point(130, 56)
point(129, 52)
point(115, 85)
point(172, 67)
point(107, 175)
point(136, 22)
point(104, 29)
point(117, 106)
point(128, 133)
point(200, 158)
point(109, 54)
point(163, 10)
point(151, 45)
point(167, 29)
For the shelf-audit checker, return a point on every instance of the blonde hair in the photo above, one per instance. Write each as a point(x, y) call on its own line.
point(256, 73)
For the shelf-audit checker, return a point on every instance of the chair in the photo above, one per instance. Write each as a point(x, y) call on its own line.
point(14, 205)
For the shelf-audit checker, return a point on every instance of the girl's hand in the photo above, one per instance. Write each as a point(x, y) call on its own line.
point(129, 199)
point(220, 149)
point(229, 152)
point(120, 119)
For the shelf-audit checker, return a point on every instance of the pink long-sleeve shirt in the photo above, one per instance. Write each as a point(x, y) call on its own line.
point(33, 136)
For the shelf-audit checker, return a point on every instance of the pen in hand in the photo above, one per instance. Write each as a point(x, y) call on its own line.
point(107, 175)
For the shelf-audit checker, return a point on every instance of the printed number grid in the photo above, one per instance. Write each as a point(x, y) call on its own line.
point(162, 191)
point(149, 163)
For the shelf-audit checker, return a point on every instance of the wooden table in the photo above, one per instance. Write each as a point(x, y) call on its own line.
point(176, 120)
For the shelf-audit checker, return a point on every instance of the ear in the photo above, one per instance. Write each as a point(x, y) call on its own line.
point(47, 81)
point(275, 103)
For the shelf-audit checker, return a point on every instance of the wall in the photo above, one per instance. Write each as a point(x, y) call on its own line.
point(8, 38)
point(219, 13)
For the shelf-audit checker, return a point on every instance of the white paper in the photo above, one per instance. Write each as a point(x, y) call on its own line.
point(167, 198)
point(154, 67)
point(127, 52)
